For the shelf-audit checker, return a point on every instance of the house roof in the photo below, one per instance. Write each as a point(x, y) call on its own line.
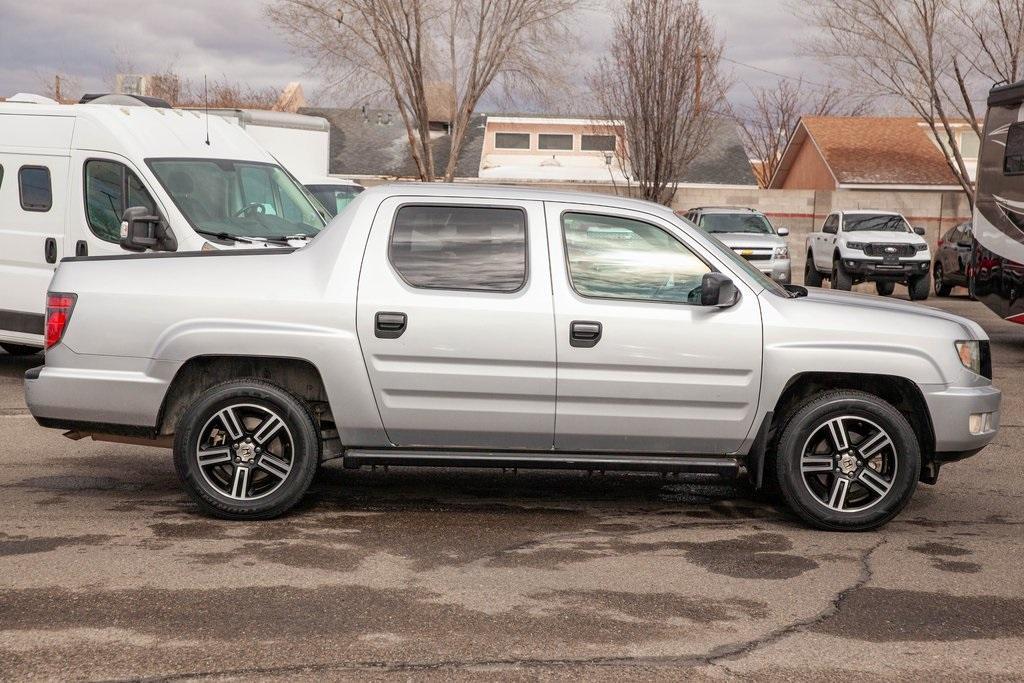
point(374, 142)
point(723, 161)
point(867, 150)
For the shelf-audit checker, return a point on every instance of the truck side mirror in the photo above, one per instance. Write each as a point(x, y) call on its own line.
point(919, 230)
point(141, 230)
point(718, 290)
point(782, 232)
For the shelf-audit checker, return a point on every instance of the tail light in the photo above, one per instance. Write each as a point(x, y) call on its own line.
point(58, 313)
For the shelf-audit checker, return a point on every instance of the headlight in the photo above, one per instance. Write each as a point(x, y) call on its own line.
point(921, 247)
point(781, 252)
point(970, 355)
point(855, 245)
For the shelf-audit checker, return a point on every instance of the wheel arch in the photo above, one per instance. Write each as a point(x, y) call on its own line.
point(900, 392)
point(296, 375)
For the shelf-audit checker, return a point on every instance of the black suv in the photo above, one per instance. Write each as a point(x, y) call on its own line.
point(953, 259)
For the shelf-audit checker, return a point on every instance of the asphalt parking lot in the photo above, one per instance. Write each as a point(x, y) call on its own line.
point(108, 572)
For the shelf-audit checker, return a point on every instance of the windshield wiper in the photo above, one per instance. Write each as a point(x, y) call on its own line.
point(226, 236)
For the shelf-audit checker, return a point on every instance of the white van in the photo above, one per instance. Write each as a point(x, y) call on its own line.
point(68, 173)
point(302, 144)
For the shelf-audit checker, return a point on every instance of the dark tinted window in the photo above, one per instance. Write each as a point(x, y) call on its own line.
point(34, 188)
point(597, 143)
point(1013, 158)
point(334, 197)
point(549, 141)
point(874, 221)
point(621, 258)
point(512, 140)
point(460, 247)
point(736, 222)
point(110, 188)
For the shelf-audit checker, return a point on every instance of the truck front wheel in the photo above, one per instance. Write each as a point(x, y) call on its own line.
point(246, 449)
point(847, 461)
point(919, 287)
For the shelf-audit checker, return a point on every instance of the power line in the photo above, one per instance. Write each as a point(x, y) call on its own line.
point(774, 73)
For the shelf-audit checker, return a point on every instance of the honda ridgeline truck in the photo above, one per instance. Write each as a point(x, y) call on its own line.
point(453, 325)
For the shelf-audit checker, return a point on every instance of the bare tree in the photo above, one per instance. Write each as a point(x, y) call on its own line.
point(661, 81)
point(918, 52)
point(769, 122)
point(412, 50)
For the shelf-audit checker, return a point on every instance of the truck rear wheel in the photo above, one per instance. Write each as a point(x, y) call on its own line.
point(847, 461)
point(812, 278)
point(246, 449)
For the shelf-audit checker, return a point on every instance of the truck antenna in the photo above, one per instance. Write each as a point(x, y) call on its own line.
point(206, 104)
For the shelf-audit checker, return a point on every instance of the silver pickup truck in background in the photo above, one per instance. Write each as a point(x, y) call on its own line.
point(489, 326)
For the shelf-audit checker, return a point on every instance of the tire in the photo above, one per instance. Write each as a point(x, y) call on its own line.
point(812, 278)
point(919, 287)
point(20, 349)
point(278, 466)
point(840, 278)
point(941, 288)
point(885, 288)
point(811, 469)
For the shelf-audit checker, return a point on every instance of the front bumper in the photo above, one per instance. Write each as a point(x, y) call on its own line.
point(779, 270)
point(877, 270)
point(951, 409)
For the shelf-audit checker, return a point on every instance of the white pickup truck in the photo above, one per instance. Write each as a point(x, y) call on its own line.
point(869, 246)
point(490, 326)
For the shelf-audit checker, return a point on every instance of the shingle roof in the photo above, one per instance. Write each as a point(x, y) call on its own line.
point(879, 150)
point(724, 160)
point(374, 142)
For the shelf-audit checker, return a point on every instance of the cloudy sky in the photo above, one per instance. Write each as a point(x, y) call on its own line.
point(233, 39)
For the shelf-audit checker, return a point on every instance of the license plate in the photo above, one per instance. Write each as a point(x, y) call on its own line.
point(891, 260)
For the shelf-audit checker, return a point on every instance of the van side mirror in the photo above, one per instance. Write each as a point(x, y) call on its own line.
point(141, 230)
point(920, 231)
point(782, 232)
point(718, 290)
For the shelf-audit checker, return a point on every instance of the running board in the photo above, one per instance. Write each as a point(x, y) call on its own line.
point(356, 457)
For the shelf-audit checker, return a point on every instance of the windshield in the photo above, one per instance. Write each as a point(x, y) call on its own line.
point(238, 198)
point(736, 222)
point(334, 197)
point(886, 222)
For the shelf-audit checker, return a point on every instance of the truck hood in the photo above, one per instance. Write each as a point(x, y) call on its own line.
point(884, 236)
point(750, 240)
point(862, 307)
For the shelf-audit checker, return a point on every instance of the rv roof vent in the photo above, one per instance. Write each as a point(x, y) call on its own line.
point(32, 98)
point(124, 100)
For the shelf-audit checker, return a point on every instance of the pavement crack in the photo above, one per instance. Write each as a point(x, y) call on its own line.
point(726, 653)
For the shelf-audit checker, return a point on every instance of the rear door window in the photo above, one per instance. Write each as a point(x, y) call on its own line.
point(110, 188)
point(473, 248)
point(34, 188)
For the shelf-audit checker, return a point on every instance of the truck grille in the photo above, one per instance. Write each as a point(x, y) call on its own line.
point(754, 254)
point(883, 250)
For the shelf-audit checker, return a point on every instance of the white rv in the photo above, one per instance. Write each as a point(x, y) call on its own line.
point(302, 144)
point(69, 174)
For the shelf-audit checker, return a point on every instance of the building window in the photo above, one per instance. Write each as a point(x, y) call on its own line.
point(34, 188)
point(556, 142)
point(597, 143)
point(460, 247)
point(620, 258)
point(970, 143)
point(110, 188)
point(512, 141)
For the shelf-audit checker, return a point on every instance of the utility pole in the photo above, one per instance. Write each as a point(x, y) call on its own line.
point(56, 87)
point(698, 68)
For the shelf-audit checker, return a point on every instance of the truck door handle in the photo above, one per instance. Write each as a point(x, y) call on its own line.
point(50, 250)
point(584, 333)
point(389, 325)
point(81, 248)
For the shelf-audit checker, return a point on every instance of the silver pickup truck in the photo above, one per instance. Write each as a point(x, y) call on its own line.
point(489, 326)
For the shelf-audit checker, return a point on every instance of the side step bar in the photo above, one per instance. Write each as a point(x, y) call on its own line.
point(356, 457)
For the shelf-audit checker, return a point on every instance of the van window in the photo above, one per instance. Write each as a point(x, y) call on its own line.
point(460, 247)
point(620, 258)
point(1, 176)
point(34, 188)
point(110, 188)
